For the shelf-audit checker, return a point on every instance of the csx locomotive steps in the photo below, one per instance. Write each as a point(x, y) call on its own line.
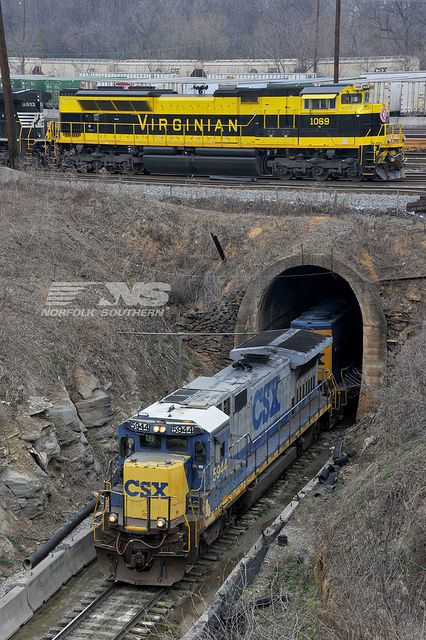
point(278, 294)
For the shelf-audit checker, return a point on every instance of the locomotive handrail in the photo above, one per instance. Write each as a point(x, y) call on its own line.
point(202, 483)
point(315, 393)
point(245, 436)
point(291, 411)
point(239, 440)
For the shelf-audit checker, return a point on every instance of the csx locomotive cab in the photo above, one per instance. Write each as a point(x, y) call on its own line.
point(189, 462)
point(153, 496)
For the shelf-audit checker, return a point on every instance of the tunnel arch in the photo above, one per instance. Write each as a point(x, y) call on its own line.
point(269, 302)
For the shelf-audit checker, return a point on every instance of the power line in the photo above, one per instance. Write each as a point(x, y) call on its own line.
point(337, 42)
point(9, 111)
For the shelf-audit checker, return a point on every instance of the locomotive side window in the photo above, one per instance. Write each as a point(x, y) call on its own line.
point(240, 401)
point(219, 451)
point(90, 105)
point(200, 455)
point(175, 443)
point(227, 406)
point(320, 103)
point(150, 441)
point(124, 105)
point(106, 105)
point(351, 98)
point(127, 447)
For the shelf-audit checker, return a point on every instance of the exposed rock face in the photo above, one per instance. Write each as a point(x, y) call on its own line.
point(7, 519)
point(43, 441)
point(25, 491)
point(94, 408)
point(95, 411)
point(70, 431)
point(49, 443)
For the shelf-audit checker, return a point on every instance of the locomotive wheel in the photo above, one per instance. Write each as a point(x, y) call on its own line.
point(354, 174)
point(284, 174)
point(320, 173)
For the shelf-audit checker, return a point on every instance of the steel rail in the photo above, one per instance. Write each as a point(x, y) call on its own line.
point(80, 616)
point(146, 608)
point(409, 186)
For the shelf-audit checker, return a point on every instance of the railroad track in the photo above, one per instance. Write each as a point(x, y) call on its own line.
point(122, 612)
point(415, 183)
point(116, 612)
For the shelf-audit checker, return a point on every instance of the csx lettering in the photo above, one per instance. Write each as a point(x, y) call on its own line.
point(265, 403)
point(135, 488)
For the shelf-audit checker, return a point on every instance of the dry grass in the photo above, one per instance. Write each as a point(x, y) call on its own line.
point(55, 233)
point(372, 563)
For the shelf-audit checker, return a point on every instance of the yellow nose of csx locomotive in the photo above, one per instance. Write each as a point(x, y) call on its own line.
point(155, 491)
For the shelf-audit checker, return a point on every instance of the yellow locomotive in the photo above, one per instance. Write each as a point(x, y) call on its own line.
point(319, 132)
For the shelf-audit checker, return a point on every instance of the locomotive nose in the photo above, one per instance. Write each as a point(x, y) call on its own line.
point(155, 492)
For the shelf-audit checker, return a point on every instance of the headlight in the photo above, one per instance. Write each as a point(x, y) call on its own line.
point(161, 523)
point(113, 518)
point(159, 429)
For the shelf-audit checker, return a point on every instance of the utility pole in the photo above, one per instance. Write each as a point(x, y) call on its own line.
point(9, 111)
point(337, 42)
point(24, 29)
point(316, 37)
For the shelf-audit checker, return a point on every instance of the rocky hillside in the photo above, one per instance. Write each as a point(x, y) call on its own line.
point(66, 381)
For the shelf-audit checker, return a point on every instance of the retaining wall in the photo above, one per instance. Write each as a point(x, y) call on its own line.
point(19, 604)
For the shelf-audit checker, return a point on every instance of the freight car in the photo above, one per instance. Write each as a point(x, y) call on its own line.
point(189, 462)
point(29, 120)
point(278, 131)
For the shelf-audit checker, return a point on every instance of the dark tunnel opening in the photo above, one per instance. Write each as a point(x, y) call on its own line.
point(311, 291)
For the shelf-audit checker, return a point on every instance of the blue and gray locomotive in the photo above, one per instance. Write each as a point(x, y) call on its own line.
point(188, 462)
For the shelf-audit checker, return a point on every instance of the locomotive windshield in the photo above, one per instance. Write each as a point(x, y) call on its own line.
point(351, 98)
point(150, 441)
point(177, 443)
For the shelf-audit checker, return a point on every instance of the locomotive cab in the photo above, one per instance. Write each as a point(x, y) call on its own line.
point(146, 509)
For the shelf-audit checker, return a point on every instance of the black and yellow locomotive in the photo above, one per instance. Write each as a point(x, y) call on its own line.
point(282, 131)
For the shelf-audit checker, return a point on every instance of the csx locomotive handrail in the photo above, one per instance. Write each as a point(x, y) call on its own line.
point(298, 415)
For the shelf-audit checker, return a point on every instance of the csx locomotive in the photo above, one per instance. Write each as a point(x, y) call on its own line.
point(189, 462)
point(282, 131)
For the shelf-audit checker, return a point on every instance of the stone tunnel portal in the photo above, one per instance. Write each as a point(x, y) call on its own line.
point(305, 287)
point(287, 288)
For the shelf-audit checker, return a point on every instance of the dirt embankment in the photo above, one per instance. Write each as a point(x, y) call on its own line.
point(371, 556)
point(67, 380)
